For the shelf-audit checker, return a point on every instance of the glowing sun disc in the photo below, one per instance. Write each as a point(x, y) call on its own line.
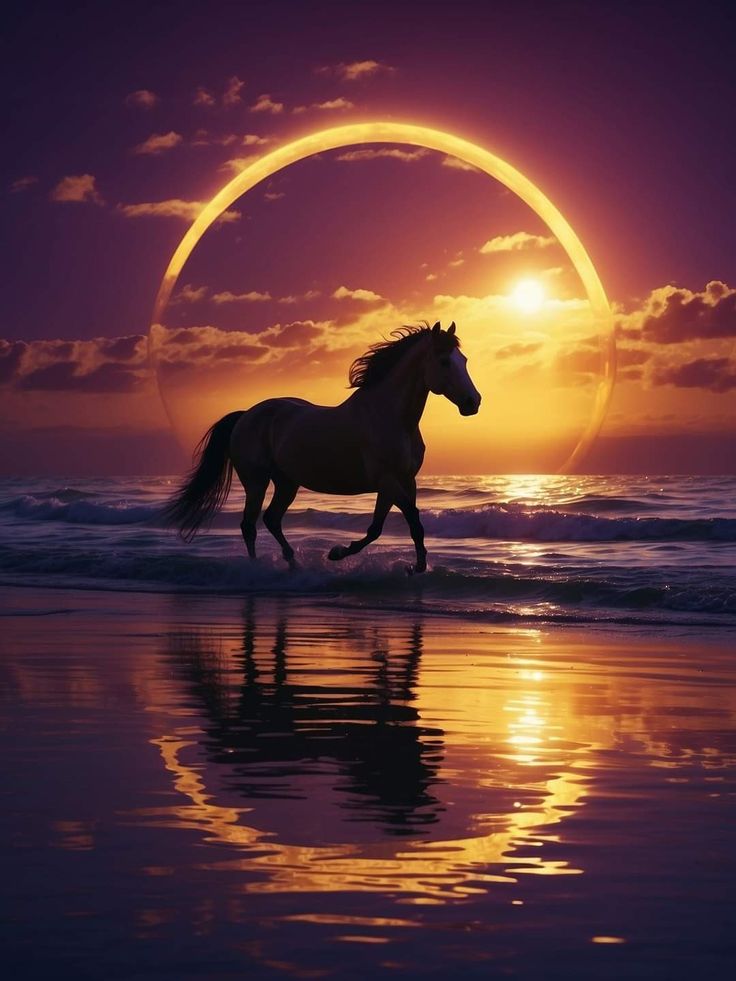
point(528, 295)
point(432, 139)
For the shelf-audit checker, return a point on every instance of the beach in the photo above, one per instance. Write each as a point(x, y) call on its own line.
point(200, 786)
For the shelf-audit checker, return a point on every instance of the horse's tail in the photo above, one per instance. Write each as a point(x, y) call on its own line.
point(208, 483)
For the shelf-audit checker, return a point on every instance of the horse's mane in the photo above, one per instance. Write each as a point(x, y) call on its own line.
point(380, 358)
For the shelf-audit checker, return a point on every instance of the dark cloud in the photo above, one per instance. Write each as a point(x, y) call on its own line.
point(673, 316)
point(11, 353)
point(123, 348)
point(62, 376)
point(713, 374)
point(295, 334)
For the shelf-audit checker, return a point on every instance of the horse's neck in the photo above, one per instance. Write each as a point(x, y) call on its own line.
point(403, 393)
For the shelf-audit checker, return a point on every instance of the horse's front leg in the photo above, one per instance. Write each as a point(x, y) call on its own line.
point(405, 498)
point(383, 506)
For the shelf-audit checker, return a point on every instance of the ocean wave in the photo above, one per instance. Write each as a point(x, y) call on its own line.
point(380, 576)
point(492, 522)
point(76, 508)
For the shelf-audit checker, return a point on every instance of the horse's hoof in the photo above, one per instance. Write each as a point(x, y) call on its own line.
point(294, 565)
point(416, 570)
point(336, 553)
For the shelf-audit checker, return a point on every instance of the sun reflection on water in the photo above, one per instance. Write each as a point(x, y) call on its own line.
point(418, 860)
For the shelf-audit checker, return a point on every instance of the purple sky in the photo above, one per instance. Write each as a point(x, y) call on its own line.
point(621, 112)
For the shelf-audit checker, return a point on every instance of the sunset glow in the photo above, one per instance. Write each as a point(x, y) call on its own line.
point(368, 490)
point(528, 295)
point(576, 428)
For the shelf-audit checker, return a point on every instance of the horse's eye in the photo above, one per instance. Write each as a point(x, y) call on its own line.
point(445, 362)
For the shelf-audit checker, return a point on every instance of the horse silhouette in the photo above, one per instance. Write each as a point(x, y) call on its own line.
point(268, 725)
point(370, 443)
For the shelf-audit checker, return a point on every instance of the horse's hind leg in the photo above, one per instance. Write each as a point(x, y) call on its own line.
point(255, 491)
point(283, 495)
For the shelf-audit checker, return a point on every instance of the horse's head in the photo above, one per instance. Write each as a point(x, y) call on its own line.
point(447, 371)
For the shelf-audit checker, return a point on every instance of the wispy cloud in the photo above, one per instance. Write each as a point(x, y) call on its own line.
point(231, 96)
point(252, 139)
point(455, 163)
point(203, 138)
point(252, 296)
point(190, 294)
point(352, 71)
point(390, 153)
point(158, 143)
point(142, 99)
point(172, 208)
point(203, 97)
point(364, 296)
point(80, 188)
point(23, 183)
point(264, 103)
point(330, 105)
point(236, 164)
point(519, 241)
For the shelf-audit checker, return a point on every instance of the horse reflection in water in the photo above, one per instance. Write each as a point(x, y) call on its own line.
point(275, 733)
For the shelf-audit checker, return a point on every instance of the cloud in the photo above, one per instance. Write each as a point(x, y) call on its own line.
point(392, 153)
point(203, 97)
point(518, 349)
point(23, 183)
point(231, 95)
point(455, 163)
point(300, 298)
point(253, 296)
point(111, 377)
point(236, 164)
point(172, 208)
point(672, 315)
point(517, 242)
point(252, 139)
point(353, 70)
point(142, 99)
point(264, 103)
point(158, 143)
point(330, 104)
point(188, 294)
point(79, 188)
point(363, 296)
point(100, 365)
point(712, 374)
point(273, 195)
point(11, 353)
point(203, 138)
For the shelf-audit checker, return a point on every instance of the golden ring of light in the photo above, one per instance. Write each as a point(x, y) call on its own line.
point(454, 146)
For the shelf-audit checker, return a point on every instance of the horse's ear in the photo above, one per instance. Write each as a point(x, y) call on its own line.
point(436, 329)
point(451, 329)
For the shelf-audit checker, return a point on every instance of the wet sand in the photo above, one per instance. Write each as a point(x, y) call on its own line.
point(274, 787)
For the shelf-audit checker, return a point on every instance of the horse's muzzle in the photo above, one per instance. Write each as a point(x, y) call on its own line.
point(469, 406)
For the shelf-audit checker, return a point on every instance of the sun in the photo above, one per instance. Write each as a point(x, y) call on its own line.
point(528, 296)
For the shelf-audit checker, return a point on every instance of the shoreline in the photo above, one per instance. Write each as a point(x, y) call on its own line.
point(351, 604)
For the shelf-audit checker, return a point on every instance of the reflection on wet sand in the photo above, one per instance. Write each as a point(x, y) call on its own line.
point(201, 789)
point(316, 762)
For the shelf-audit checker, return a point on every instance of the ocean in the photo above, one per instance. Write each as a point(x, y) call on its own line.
point(521, 764)
point(501, 548)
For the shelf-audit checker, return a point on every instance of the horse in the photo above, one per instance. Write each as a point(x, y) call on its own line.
point(368, 444)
